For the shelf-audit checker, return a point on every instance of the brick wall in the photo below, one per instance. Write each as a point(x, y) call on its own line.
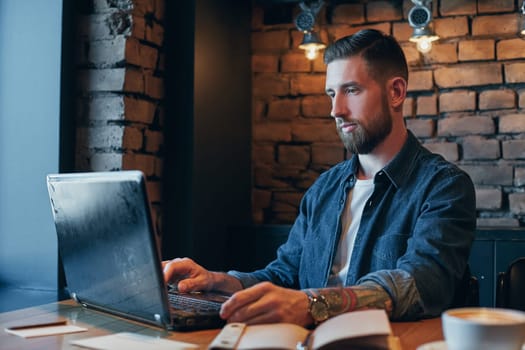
point(466, 101)
point(120, 89)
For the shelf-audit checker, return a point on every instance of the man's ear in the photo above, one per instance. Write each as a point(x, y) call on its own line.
point(397, 90)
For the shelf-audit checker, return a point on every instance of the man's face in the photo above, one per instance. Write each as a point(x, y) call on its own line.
point(359, 105)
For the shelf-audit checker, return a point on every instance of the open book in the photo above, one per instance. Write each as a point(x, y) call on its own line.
point(367, 329)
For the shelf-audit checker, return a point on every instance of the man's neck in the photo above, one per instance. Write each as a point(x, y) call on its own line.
point(371, 163)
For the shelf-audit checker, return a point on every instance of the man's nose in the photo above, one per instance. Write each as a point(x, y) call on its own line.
point(339, 107)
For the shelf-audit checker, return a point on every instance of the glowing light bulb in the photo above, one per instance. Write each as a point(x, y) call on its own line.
point(424, 45)
point(311, 53)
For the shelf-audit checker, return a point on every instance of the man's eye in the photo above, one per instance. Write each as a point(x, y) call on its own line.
point(351, 90)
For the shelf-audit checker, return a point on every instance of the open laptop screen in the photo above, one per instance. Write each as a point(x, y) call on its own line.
point(107, 243)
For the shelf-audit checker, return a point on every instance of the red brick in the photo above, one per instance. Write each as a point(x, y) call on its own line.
point(426, 105)
point(510, 49)
point(316, 106)
point(521, 98)
point(408, 107)
point(263, 154)
point(449, 150)
point(154, 86)
point(519, 176)
point(154, 189)
point(295, 62)
point(283, 109)
point(272, 132)
point(468, 75)
point(258, 109)
point(305, 84)
point(138, 110)
point(513, 149)
point(138, 27)
point(402, 31)
point(293, 155)
point(318, 65)
point(474, 50)
point(451, 27)
point(263, 177)
point(500, 175)
point(493, 222)
point(512, 123)
point(132, 139)
point(494, 25)
point(460, 126)
point(348, 14)
point(154, 141)
point(480, 148)
point(458, 7)
point(517, 203)
point(488, 6)
point(380, 11)
point(327, 153)
point(143, 162)
point(412, 55)
point(488, 199)
point(134, 81)
point(420, 80)
point(271, 41)
point(266, 84)
point(497, 99)
point(422, 128)
point(322, 131)
point(459, 100)
point(515, 72)
point(265, 63)
point(292, 198)
point(443, 53)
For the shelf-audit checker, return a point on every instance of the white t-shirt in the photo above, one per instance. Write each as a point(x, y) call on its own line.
point(350, 220)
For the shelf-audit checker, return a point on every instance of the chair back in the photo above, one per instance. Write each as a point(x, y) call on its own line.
point(510, 288)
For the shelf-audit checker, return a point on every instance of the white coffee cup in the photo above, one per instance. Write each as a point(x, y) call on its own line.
point(479, 328)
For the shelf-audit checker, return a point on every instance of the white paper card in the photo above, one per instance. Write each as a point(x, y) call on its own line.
point(132, 341)
point(45, 331)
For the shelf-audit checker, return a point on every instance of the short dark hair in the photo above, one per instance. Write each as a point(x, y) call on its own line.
point(382, 53)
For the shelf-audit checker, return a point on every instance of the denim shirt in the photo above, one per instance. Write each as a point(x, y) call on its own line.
point(414, 239)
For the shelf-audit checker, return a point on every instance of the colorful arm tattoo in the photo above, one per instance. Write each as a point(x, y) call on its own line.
point(365, 296)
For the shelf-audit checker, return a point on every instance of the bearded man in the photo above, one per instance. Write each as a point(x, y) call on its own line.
point(390, 228)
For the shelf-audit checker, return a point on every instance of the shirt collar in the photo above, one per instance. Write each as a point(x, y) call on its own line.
point(400, 167)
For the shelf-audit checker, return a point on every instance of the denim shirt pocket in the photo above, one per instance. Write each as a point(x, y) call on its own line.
point(387, 250)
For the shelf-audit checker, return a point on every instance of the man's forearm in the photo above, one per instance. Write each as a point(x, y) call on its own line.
point(364, 296)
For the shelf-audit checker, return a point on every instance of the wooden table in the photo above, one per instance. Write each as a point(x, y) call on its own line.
point(412, 334)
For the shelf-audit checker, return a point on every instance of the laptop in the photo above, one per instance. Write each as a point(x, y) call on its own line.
point(110, 252)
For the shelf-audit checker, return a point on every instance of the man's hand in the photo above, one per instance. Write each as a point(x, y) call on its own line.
point(267, 303)
point(191, 277)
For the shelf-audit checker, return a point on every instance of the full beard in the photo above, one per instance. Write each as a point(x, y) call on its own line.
point(365, 138)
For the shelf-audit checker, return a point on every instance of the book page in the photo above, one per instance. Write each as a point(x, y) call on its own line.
point(367, 326)
point(272, 336)
point(132, 341)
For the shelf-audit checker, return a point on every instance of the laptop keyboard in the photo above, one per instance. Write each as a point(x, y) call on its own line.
point(197, 305)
